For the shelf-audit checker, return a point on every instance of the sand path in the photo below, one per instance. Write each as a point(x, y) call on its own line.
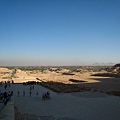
point(66, 106)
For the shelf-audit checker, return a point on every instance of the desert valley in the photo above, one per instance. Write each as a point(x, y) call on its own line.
point(77, 93)
point(67, 79)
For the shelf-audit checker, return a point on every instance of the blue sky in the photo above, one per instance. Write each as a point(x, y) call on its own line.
point(59, 32)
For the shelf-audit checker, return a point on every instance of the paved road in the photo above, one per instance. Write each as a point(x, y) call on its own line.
point(72, 106)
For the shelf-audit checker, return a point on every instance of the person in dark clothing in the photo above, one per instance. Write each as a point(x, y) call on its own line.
point(5, 96)
point(30, 93)
point(5, 103)
point(18, 93)
point(23, 93)
point(11, 93)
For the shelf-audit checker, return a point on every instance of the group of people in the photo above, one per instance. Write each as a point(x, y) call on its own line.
point(30, 92)
point(18, 93)
point(6, 83)
point(46, 96)
point(5, 96)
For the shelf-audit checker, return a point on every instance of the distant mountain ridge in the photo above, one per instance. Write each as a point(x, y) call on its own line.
point(104, 64)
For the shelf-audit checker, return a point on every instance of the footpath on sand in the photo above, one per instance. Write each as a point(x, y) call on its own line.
point(63, 106)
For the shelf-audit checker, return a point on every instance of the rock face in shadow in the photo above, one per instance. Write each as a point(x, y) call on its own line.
point(74, 80)
point(106, 75)
point(115, 69)
point(67, 73)
point(117, 65)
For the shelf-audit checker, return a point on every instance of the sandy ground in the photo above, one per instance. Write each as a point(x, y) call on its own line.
point(53, 76)
point(64, 106)
point(104, 84)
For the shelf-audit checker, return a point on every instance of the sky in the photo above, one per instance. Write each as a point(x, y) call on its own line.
point(59, 32)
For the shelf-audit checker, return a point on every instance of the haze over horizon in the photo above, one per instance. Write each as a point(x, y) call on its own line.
point(59, 32)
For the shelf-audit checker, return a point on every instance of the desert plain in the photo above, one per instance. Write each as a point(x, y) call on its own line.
point(75, 95)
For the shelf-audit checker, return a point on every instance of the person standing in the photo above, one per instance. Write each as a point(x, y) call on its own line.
point(33, 87)
point(30, 93)
point(5, 96)
point(37, 94)
point(18, 93)
point(23, 93)
point(30, 88)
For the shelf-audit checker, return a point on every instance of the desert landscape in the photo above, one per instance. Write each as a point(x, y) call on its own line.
point(67, 79)
point(83, 83)
point(60, 60)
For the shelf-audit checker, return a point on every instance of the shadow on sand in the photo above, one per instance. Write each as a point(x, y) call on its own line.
point(104, 85)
